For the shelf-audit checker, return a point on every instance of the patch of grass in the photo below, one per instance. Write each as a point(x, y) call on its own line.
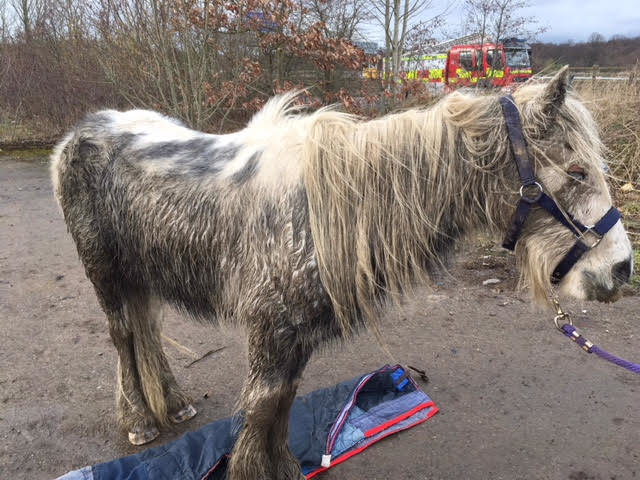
point(10, 131)
point(631, 208)
point(635, 280)
point(15, 130)
point(26, 154)
point(615, 108)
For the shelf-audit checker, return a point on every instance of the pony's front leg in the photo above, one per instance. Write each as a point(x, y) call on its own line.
point(277, 357)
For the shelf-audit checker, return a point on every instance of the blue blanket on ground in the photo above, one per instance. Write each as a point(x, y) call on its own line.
point(327, 427)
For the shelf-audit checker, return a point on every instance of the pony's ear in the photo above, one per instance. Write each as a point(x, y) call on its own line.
point(554, 93)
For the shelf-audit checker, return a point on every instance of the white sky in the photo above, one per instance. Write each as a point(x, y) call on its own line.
point(577, 19)
point(565, 19)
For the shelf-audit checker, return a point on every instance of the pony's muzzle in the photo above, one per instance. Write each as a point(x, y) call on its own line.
point(621, 272)
point(607, 290)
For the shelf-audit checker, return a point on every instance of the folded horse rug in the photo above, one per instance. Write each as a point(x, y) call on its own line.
point(327, 427)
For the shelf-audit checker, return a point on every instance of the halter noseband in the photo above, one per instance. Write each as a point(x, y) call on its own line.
point(532, 193)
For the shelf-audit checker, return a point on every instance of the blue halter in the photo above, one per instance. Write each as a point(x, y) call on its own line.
point(532, 193)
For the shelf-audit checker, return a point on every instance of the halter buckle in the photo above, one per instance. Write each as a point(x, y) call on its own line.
point(530, 196)
point(590, 229)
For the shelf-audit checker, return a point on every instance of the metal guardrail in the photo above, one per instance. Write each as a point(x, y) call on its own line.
point(597, 73)
point(625, 79)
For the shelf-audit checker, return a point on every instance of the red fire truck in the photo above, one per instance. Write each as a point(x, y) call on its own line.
point(470, 63)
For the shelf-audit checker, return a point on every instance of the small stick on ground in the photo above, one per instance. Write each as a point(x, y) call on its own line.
point(422, 373)
point(180, 347)
point(210, 352)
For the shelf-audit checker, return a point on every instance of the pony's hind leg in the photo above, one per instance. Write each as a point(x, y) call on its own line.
point(147, 392)
point(134, 414)
point(161, 391)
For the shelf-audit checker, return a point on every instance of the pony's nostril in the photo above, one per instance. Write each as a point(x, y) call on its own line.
point(621, 272)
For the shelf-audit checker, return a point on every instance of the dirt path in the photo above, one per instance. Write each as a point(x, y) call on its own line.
point(517, 400)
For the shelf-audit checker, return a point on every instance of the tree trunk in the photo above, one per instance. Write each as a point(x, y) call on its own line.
point(26, 19)
point(387, 43)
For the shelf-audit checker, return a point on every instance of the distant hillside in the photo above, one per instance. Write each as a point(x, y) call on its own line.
point(617, 52)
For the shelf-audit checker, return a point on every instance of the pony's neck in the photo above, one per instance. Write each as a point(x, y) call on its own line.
point(389, 198)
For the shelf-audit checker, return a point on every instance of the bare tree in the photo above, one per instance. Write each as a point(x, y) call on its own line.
point(5, 65)
point(70, 19)
point(29, 13)
point(496, 19)
point(155, 55)
point(341, 18)
point(400, 21)
point(4, 21)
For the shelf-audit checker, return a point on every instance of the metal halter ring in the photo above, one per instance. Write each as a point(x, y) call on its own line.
point(531, 199)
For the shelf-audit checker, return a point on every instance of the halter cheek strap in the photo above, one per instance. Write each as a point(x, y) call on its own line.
point(532, 194)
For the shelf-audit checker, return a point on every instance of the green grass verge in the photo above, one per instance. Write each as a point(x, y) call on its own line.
point(635, 280)
point(27, 154)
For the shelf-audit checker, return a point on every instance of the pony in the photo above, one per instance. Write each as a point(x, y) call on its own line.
point(300, 226)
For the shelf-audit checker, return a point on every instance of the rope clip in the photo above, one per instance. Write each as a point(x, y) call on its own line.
point(561, 316)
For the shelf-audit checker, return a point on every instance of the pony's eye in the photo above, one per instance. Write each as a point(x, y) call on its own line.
point(568, 147)
point(577, 172)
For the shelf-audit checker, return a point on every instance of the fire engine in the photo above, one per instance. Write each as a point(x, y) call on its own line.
point(471, 61)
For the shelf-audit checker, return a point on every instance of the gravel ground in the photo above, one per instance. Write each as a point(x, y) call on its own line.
point(517, 400)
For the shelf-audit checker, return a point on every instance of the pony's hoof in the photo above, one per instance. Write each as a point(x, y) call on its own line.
point(187, 413)
point(142, 436)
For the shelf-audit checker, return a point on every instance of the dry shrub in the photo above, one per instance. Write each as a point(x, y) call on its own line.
point(616, 107)
point(47, 85)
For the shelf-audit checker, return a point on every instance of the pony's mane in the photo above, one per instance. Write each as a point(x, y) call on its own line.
point(277, 110)
point(389, 197)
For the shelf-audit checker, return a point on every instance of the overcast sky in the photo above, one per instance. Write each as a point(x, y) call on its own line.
point(577, 19)
point(564, 19)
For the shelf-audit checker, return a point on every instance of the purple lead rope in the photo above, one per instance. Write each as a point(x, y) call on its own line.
point(571, 332)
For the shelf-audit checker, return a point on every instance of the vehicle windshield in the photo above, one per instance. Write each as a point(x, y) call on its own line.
point(518, 58)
